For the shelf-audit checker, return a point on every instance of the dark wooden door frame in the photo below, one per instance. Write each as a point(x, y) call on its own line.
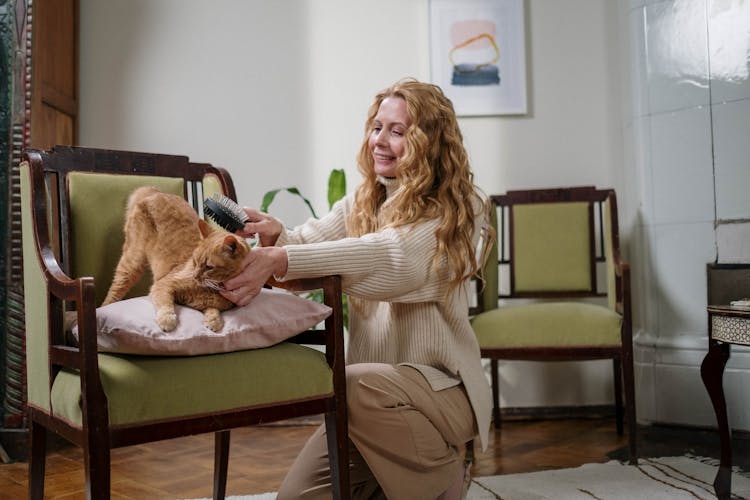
point(41, 101)
point(15, 31)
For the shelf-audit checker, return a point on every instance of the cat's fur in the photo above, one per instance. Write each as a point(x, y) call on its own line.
point(188, 258)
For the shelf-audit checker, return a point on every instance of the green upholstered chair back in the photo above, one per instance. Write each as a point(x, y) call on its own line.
point(92, 187)
point(553, 243)
point(97, 216)
point(551, 247)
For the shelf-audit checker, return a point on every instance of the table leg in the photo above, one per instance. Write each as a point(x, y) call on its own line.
point(712, 372)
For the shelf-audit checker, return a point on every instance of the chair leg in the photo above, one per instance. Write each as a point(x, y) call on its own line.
point(96, 462)
point(495, 393)
point(221, 463)
point(629, 379)
point(338, 452)
point(617, 371)
point(38, 455)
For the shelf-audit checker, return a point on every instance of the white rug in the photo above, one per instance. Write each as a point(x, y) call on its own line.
point(652, 479)
point(663, 478)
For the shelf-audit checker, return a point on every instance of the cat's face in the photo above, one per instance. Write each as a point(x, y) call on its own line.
point(218, 257)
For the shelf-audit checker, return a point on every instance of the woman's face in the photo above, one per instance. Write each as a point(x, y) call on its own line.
point(387, 135)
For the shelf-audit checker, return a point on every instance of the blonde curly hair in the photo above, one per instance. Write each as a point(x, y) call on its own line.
point(435, 178)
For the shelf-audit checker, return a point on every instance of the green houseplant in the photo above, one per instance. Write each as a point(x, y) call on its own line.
point(336, 191)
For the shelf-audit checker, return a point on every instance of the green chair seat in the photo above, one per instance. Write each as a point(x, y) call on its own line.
point(147, 388)
point(552, 324)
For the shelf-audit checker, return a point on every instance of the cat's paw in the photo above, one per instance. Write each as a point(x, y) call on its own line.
point(215, 324)
point(167, 320)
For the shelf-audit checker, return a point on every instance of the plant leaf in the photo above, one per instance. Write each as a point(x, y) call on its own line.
point(268, 199)
point(336, 186)
point(271, 195)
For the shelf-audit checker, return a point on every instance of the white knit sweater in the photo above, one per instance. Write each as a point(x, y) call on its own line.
point(399, 313)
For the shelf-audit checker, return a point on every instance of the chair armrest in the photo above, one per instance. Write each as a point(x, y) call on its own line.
point(333, 336)
point(331, 286)
point(60, 289)
point(624, 307)
point(622, 285)
point(301, 285)
point(81, 292)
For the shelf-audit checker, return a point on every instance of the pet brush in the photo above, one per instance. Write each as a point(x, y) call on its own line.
point(225, 212)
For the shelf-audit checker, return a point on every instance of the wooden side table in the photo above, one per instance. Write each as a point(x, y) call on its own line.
point(727, 325)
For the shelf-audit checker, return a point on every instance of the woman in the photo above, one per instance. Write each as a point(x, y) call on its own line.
point(404, 243)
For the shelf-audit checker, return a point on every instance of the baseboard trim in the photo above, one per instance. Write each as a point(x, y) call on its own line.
point(670, 390)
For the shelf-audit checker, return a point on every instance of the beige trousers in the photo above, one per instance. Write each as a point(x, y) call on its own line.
point(406, 440)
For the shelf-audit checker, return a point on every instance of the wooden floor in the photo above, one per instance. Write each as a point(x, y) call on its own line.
point(182, 468)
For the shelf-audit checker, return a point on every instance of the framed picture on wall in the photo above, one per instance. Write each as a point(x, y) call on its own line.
point(478, 55)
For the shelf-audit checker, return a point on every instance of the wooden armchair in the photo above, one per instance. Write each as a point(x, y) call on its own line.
point(73, 204)
point(555, 249)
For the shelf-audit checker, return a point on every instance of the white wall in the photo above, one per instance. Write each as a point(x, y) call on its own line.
point(572, 134)
point(687, 166)
point(223, 82)
point(277, 91)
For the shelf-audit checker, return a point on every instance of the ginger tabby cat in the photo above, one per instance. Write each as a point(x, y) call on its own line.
point(188, 258)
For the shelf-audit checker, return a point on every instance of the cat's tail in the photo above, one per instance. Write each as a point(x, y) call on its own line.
point(141, 194)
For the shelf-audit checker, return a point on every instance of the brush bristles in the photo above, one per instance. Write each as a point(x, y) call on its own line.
point(225, 212)
point(231, 206)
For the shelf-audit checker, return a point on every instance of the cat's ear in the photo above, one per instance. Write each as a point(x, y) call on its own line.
point(204, 228)
point(231, 244)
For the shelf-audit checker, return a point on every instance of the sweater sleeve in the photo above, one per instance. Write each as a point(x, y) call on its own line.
point(394, 264)
point(330, 227)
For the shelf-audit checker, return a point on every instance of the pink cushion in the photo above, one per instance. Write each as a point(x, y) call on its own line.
point(129, 326)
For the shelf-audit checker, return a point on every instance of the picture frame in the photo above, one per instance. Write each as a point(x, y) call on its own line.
point(478, 55)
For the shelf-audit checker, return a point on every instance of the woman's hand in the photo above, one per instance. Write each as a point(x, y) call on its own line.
point(260, 264)
point(261, 224)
